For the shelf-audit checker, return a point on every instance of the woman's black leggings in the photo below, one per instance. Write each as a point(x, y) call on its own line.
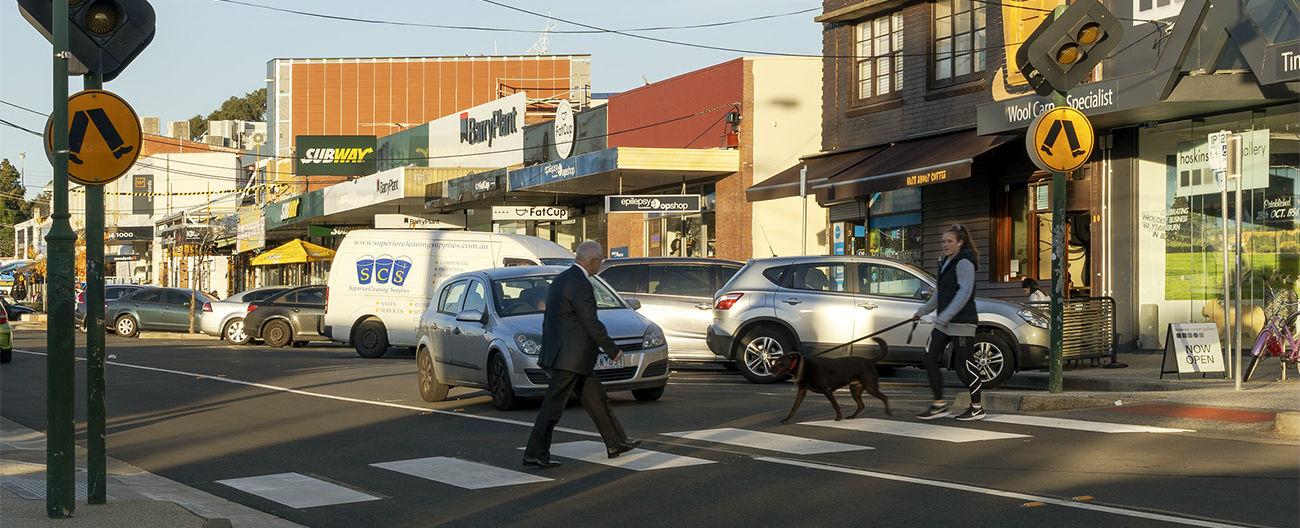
point(966, 370)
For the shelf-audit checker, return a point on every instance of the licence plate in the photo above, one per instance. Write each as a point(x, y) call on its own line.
point(603, 362)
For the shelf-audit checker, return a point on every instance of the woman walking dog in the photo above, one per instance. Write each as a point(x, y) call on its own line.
point(952, 312)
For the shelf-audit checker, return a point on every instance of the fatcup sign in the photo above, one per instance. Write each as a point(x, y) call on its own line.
point(653, 203)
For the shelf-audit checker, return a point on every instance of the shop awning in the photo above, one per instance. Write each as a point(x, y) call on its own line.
point(912, 163)
point(294, 252)
point(785, 184)
point(624, 169)
point(15, 265)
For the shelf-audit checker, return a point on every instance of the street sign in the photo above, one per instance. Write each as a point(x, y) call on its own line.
point(103, 137)
point(1060, 139)
point(1218, 151)
point(1194, 347)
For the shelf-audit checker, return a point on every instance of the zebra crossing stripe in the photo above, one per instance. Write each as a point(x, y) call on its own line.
point(296, 490)
point(460, 473)
point(794, 445)
point(1080, 425)
point(916, 430)
point(635, 460)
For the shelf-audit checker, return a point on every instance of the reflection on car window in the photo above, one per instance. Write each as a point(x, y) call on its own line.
point(476, 299)
point(557, 261)
point(451, 296)
point(314, 296)
point(151, 296)
point(689, 281)
point(888, 281)
point(624, 279)
point(819, 277)
point(522, 296)
point(605, 298)
point(177, 298)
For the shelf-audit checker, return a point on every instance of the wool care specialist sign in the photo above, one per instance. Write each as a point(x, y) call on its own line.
point(1194, 347)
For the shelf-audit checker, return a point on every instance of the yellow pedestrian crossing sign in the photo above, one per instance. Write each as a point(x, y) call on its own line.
point(103, 137)
point(1060, 139)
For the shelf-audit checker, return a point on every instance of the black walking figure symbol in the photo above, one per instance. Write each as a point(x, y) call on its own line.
point(1070, 136)
point(77, 134)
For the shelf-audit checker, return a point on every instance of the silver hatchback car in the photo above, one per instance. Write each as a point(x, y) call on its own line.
point(813, 303)
point(483, 329)
point(677, 294)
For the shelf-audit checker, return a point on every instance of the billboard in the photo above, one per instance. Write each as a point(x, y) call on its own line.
point(335, 156)
point(489, 135)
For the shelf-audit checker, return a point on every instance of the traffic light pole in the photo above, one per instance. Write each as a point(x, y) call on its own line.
point(1059, 254)
point(60, 448)
point(96, 448)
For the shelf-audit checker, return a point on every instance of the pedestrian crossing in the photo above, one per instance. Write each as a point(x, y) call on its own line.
point(300, 491)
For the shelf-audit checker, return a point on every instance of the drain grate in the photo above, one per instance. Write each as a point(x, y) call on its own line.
point(34, 489)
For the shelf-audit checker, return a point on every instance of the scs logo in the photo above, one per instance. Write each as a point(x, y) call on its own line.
point(383, 270)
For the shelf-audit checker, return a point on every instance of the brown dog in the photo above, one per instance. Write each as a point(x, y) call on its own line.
point(827, 375)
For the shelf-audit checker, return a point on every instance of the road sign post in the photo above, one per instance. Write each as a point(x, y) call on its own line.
point(96, 411)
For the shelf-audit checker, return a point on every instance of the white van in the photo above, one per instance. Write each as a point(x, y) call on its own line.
point(383, 279)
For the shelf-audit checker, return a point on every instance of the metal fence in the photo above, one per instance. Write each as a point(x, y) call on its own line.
point(1089, 327)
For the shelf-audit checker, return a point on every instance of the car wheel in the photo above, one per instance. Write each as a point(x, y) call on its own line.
point(430, 389)
point(6, 355)
point(759, 351)
point(277, 333)
point(648, 395)
point(503, 393)
point(234, 332)
point(993, 358)
point(127, 326)
point(371, 339)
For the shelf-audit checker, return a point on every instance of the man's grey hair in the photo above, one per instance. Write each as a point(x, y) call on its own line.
point(587, 250)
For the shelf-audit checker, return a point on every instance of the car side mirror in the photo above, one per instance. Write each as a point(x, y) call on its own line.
point(924, 293)
point(633, 304)
point(472, 316)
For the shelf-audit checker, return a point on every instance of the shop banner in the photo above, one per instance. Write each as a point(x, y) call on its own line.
point(1195, 176)
point(252, 229)
point(370, 190)
point(653, 203)
point(335, 155)
point(119, 235)
point(401, 221)
point(329, 231)
point(142, 194)
point(489, 135)
point(516, 213)
point(1194, 347)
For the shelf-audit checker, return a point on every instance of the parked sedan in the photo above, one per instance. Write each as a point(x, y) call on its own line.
point(225, 318)
point(809, 304)
point(112, 292)
point(292, 316)
point(153, 308)
point(677, 294)
point(6, 338)
point(16, 311)
point(484, 329)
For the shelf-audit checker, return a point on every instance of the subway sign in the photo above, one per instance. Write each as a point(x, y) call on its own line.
point(335, 156)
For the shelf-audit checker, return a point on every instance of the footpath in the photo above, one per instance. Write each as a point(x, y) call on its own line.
point(136, 498)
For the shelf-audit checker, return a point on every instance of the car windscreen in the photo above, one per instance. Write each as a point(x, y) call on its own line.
point(557, 261)
point(527, 295)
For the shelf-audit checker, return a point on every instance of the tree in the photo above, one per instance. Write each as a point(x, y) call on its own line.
point(14, 208)
point(250, 107)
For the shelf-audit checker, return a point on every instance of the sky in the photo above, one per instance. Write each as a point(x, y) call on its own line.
point(206, 50)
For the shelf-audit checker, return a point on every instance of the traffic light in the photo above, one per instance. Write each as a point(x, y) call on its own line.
point(103, 35)
point(1063, 50)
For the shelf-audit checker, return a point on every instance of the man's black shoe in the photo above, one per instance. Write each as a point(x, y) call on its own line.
point(542, 462)
point(624, 447)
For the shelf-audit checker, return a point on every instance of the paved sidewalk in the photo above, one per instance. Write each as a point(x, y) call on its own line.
point(136, 498)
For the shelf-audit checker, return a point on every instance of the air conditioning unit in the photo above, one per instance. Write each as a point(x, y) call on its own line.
point(254, 140)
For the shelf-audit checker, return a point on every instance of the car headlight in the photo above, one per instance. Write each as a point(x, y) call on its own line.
point(653, 338)
point(528, 344)
point(1034, 317)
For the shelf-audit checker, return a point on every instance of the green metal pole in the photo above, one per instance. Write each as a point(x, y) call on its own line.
point(1059, 241)
point(60, 449)
point(96, 448)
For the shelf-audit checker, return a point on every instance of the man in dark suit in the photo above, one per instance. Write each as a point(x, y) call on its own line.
point(571, 338)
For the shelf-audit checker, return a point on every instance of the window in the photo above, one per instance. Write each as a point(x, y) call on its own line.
point(313, 296)
point(893, 227)
point(449, 303)
point(521, 296)
point(819, 277)
point(722, 275)
point(510, 262)
point(476, 299)
point(888, 281)
point(605, 299)
point(879, 45)
point(149, 296)
point(959, 41)
point(113, 294)
point(776, 275)
point(178, 298)
point(625, 279)
point(686, 281)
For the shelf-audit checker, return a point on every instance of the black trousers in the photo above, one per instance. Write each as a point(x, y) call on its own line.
point(592, 395)
point(962, 347)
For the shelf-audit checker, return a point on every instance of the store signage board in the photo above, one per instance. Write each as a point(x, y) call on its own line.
point(524, 212)
point(565, 130)
point(1192, 348)
point(401, 221)
point(487, 135)
point(125, 235)
point(1060, 140)
point(335, 155)
point(653, 203)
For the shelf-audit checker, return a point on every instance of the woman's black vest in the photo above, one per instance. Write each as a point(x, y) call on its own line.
point(948, 288)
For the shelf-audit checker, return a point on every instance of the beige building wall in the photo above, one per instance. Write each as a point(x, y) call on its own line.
point(787, 124)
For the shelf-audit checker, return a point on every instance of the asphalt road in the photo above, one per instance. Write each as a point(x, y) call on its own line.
point(208, 415)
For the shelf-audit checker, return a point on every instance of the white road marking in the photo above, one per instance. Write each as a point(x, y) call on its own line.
point(1080, 425)
point(1007, 494)
point(916, 430)
point(460, 473)
point(635, 460)
point(297, 491)
point(794, 445)
point(328, 396)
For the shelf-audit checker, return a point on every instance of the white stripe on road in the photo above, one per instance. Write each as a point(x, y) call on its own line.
point(297, 491)
point(1007, 494)
point(635, 460)
point(1080, 425)
point(460, 473)
point(794, 445)
point(915, 430)
point(328, 396)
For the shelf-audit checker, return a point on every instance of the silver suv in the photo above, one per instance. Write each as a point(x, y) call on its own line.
point(675, 293)
point(813, 303)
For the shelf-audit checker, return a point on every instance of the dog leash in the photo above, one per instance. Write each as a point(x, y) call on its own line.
point(868, 336)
